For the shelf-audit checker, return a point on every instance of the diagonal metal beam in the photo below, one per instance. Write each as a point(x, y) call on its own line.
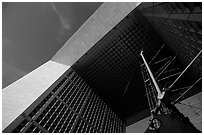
point(160, 94)
point(180, 89)
point(185, 70)
point(186, 90)
point(161, 60)
point(156, 55)
point(164, 67)
point(171, 70)
point(169, 76)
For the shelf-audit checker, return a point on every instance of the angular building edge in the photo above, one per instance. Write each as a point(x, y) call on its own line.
point(18, 96)
point(95, 28)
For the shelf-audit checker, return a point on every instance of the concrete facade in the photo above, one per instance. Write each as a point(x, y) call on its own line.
point(22, 93)
point(18, 96)
point(96, 27)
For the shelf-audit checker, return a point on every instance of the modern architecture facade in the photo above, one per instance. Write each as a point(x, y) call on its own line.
point(70, 106)
point(94, 82)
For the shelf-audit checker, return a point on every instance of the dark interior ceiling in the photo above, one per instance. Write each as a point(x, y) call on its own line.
point(115, 61)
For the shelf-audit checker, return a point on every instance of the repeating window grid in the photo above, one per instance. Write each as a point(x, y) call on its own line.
point(90, 129)
point(87, 116)
point(85, 88)
point(82, 126)
point(26, 127)
point(65, 90)
point(42, 115)
point(60, 118)
point(102, 116)
point(44, 123)
point(56, 112)
point(69, 127)
point(67, 93)
point(106, 128)
point(33, 129)
point(93, 116)
point(92, 73)
point(96, 115)
point(82, 87)
point(111, 122)
point(115, 124)
point(65, 117)
point(93, 110)
point(106, 122)
point(41, 106)
point(79, 102)
point(104, 110)
point(122, 125)
point(191, 34)
point(88, 105)
point(78, 126)
point(79, 106)
point(119, 126)
point(74, 98)
point(72, 75)
point(77, 79)
point(81, 83)
point(50, 107)
point(50, 119)
point(60, 84)
point(68, 98)
point(69, 119)
point(85, 129)
point(69, 74)
point(21, 126)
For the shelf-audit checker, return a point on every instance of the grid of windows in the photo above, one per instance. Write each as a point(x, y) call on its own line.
point(114, 59)
point(180, 25)
point(70, 107)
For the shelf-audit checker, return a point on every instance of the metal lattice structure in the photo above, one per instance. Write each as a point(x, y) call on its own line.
point(164, 114)
point(71, 106)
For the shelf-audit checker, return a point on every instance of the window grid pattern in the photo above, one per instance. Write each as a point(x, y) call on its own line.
point(180, 25)
point(69, 107)
point(109, 64)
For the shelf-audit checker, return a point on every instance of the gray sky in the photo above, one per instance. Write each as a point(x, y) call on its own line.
point(33, 32)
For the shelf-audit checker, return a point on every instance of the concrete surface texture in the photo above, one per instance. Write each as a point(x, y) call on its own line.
point(100, 23)
point(22, 93)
